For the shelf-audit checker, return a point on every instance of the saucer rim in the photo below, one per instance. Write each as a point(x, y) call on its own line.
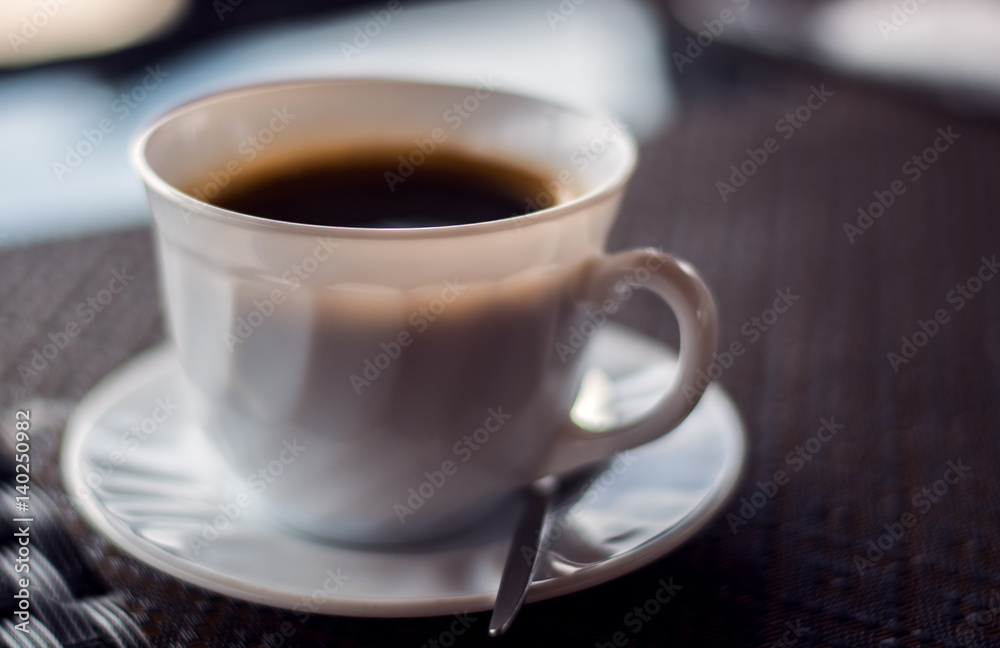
point(159, 361)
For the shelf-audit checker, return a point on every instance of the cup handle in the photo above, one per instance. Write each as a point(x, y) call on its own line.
point(687, 295)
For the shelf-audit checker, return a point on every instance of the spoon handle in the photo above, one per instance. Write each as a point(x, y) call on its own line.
point(522, 557)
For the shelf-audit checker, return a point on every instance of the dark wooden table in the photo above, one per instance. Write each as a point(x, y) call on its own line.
point(884, 533)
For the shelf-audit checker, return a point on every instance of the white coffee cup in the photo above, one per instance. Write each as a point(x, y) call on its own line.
point(404, 380)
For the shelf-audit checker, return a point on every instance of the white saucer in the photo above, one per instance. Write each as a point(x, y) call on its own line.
point(151, 496)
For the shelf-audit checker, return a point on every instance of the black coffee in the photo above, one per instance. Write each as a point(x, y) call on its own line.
point(379, 191)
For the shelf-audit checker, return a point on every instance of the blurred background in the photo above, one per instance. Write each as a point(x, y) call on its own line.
point(81, 77)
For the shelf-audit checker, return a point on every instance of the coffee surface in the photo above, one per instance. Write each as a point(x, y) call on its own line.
point(371, 191)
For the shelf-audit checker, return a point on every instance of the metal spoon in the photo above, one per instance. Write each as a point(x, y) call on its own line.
point(519, 570)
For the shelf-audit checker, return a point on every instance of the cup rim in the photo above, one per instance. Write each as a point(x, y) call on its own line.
point(154, 181)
